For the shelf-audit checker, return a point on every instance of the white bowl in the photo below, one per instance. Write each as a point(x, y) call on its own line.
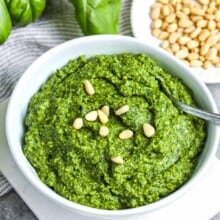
point(38, 73)
point(141, 22)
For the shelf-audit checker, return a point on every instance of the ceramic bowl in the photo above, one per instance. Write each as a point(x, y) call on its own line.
point(55, 58)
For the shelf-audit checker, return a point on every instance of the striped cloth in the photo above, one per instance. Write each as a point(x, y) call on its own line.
point(25, 44)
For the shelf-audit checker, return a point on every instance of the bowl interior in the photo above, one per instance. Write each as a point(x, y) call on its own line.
point(38, 73)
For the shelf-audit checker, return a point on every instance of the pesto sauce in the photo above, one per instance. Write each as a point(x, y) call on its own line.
point(77, 163)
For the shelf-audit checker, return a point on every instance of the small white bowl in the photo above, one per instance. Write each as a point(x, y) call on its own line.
point(141, 22)
point(38, 73)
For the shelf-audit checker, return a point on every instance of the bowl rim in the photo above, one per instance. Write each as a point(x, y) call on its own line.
point(82, 209)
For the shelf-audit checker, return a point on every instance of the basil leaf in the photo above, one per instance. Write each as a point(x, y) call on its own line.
point(5, 22)
point(98, 16)
point(24, 12)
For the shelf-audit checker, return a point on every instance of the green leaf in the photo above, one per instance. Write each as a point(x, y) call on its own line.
point(98, 16)
point(37, 7)
point(5, 22)
point(24, 12)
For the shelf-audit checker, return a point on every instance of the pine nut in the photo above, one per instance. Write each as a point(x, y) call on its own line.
point(193, 56)
point(156, 32)
point(88, 87)
point(192, 44)
point(103, 131)
point(197, 11)
point(201, 58)
point(211, 25)
point(171, 8)
point(212, 5)
point(196, 33)
point(122, 110)
point(164, 26)
point(210, 11)
point(195, 50)
point(191, 4)
point(185, 23)
point(204, 7)
point(118, 160)
point(157, 4)
point(184, 40)
point(186, 11)
point(189, 29)
point(180, 31)
point(214, 32)
point(196, 18)
point(175, 47)
point(181, 54)
point(157, 24)
point(173, 2)
point(163, 35)
point(173, 37)
point(106, 110)
point(155, 13)
point(181, 15)
point(126, 134)
point(166, 10)
point(204, 35)
point(209, 17)
point(196, 63)
point(170, 18)
point(217, 46)
point(215, 60)
point(164, 1)
point(201, 23)
point(165, 44)
point(212, 40)
point(204, 49)
point(212, 54)
point(78, 123)
point(149, 130)
point(204, 2)
point(91, 116)
point(172, 28)
point(102, 117)
point(217, 15)
point(207, 64)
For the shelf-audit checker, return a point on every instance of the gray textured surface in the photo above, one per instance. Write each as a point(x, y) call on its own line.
point(13, 208)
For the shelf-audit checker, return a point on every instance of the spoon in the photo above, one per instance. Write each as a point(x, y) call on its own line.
point(212, 117)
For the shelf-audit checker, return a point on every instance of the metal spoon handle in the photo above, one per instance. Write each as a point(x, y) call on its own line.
point(213, 117)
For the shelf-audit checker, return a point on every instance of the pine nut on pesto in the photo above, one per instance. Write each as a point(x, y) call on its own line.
point(77, 163)
point(106, 110)
point(102, 117)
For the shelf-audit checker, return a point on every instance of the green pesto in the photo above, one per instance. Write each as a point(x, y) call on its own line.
point(77, 163)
